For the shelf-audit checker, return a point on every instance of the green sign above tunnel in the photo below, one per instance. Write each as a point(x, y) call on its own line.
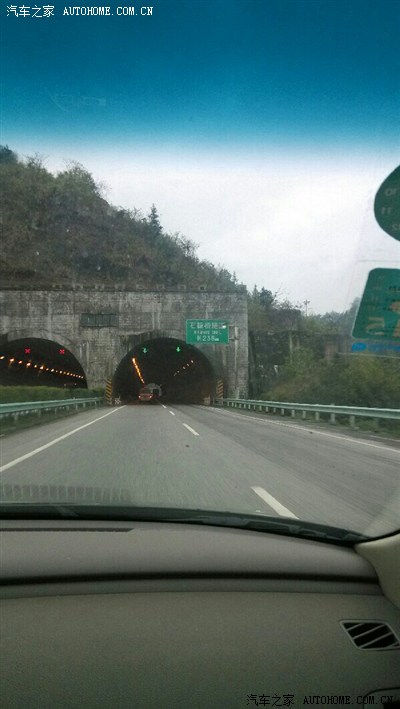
point(207, 332)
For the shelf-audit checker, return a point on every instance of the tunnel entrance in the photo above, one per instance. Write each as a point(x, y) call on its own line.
point(183, 372)
point(36, 362)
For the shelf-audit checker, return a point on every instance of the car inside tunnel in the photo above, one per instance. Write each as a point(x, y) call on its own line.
point(184, 374)
point(39, 362)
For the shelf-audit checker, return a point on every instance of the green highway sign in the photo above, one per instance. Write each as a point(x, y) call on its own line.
point(378, 316)
point(387, 204)
point(211, 332)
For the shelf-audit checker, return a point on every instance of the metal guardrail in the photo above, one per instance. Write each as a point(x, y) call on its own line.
point(25, 407)
point(352, 412)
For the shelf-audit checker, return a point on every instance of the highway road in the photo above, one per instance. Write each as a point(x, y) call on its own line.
point(214, 459)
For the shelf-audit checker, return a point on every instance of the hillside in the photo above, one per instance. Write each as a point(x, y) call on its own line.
point(59, 229)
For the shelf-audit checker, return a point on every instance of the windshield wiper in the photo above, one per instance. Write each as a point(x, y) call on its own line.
point(278, 525)
point(123, 513)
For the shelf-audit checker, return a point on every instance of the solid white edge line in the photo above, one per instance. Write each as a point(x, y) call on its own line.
point(56, 440)
point(190, 429)
point(272, 502)
point(171, 412)
point(304, 429)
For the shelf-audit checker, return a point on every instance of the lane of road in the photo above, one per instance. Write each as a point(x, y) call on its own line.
point(318, 474)
point(206, 458)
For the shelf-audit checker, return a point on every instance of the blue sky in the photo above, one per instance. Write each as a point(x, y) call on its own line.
point(258, 98)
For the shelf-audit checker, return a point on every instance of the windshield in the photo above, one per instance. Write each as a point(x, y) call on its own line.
point(200, 207)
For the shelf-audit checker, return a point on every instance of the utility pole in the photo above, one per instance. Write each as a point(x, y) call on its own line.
point(306, 304)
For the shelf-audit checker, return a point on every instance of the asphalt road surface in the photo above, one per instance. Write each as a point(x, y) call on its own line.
point(213, 459)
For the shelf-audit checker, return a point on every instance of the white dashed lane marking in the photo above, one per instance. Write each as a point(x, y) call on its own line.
point(272, 502)
point(190, 429)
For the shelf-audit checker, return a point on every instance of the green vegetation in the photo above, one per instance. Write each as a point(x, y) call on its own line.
point(14, 394)
point(60, 229)
point(354, 380)
point(307, 359)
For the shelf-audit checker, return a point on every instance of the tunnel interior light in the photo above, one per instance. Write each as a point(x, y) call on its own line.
point(27, 362)
point(138, 372)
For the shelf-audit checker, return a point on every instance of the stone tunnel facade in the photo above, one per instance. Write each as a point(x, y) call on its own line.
point(100, 326)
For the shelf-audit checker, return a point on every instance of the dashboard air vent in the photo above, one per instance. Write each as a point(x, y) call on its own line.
point(371, 635)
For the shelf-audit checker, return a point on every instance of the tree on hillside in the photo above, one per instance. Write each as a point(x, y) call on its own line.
point(260, 304)
point(7, 155)
point(267, 299)
point(79, 181)
point(153, 220)
point(188, 246)
point(334, 322)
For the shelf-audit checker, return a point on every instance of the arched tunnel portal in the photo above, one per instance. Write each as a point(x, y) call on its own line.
point(184, 373)
point(35, 361)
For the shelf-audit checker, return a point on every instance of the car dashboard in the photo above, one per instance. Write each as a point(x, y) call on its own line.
point(159, 614)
